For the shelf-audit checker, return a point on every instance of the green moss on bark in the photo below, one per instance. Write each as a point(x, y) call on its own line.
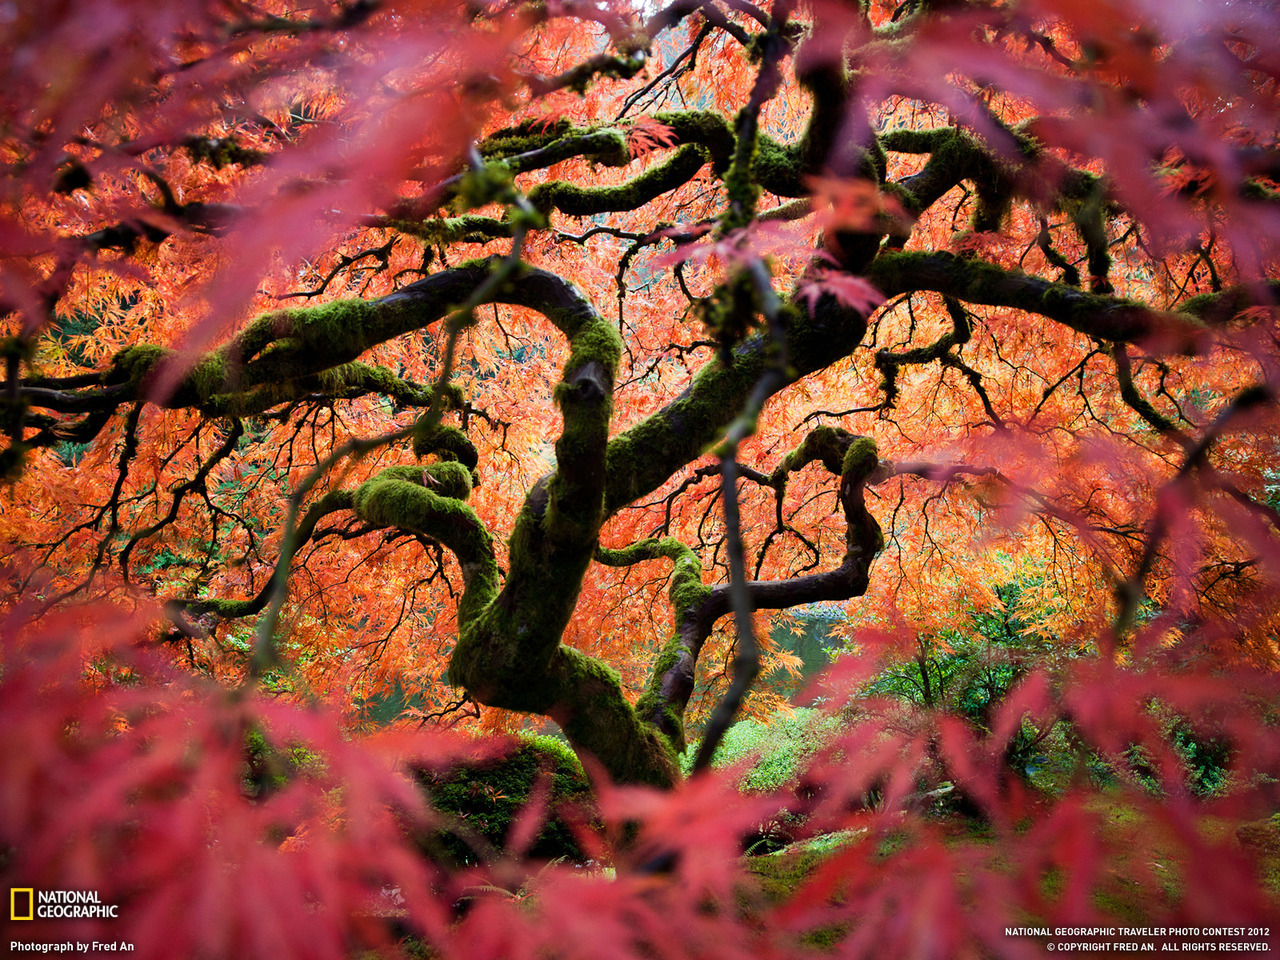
point(464, 229)
point(330, 330)
point(585, 201)
point(595, 715)
point(826, 444)
point(133, 364)
point(706, 128)
point(487, 796)
point(687, 593)
point(976, 281)
point(780, 169)
point(654, 706)
point(449, 443)
point(644, 456)
point(529, 135)
point(683, 429)
point(860, 460)
point(398, 497)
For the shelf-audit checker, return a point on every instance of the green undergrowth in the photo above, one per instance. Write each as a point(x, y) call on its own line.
point(779, 875)
point(771, 753)
point(1143, 878)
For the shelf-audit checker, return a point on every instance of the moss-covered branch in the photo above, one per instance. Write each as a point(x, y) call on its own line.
point(509, 652)
point(976, 281)
point(400, 497)
point(643, 457)
point(346, 382)
point(290, 354)
point(449, 230)
point(699, 136)
point(619, 66)
point(890, 362)
point(858, 465)
point(956, 155)
point(827, 445)
point(1224, 306)
point(696, 607)
point(538, 146)
point(1141, 405)
point(661, 178)
point(672, 675)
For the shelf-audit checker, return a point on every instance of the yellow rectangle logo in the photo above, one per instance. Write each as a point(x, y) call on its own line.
point(16, 895)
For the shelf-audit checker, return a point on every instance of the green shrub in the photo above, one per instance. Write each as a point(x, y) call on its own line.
point(1205, 758)
point(483, 799)
point(970, 669)
point(269, 767)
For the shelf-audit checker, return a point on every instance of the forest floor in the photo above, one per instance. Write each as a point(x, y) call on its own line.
point(1141, 887)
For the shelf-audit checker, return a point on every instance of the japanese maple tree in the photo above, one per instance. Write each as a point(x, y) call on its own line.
point(497, 359)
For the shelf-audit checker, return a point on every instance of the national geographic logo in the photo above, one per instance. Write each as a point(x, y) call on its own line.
point(27, 903)
point(22, 903)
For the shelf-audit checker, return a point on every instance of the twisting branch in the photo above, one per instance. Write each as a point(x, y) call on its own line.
point(696, 607)
point(672, 676)
point(264, 650)
point(1101, 316)
point(1140, 404)
point(195, 484)
point(622, 67)
point(1174, 498)
point(671, 71)
point(889, 362)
